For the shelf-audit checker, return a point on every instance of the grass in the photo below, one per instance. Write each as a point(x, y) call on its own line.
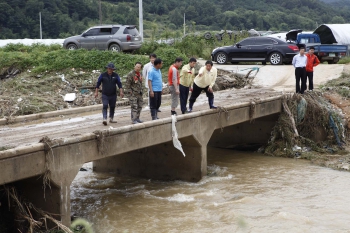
point(341, 85)
point(344, 60)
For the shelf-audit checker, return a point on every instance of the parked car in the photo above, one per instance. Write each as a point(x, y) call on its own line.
point(325, 52)
point(107, 37)
point(256, 49)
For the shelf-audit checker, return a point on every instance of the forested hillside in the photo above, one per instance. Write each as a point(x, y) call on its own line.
point(62, 18)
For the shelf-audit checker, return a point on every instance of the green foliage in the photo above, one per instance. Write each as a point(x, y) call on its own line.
point(344, 60)
point(62, 18)
point(41, 58)
point(168, 56)
point(341, 85)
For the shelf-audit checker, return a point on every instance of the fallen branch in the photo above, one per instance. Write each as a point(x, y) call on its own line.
point(286, 109)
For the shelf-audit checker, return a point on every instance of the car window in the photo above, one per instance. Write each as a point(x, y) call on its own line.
point(92, 32)
point(114, 30)
point(304, 40)
point(312, 40)
point(267, 41)
point(131, 30)
point(249, 41)
point(105, 31)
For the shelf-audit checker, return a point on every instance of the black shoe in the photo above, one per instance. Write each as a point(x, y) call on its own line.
point(139, 121)
point(158, 110)
point(173, 113)
point(211, 103)
point(104, 121)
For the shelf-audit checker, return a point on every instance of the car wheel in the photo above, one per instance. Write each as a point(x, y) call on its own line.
point(114, 48)
point(275, 58)
point(221, 58)
point(72, 47)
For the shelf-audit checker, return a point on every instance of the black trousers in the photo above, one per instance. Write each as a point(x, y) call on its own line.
point(111, 101)
point(184, 91)
point(300, 75)
point(156, 101)
point(197, 91)
point(310, 76)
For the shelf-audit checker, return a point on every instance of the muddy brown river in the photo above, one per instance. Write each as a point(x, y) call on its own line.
point(243, 192)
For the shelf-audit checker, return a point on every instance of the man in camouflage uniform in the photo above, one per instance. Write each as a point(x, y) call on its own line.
point(133, 89)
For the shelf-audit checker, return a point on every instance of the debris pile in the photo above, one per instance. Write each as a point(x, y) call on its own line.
point(308, 123)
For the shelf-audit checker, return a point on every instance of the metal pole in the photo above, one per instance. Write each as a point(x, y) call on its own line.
point(141, 19)
point(41, 33)
point(184, 23)
point(100, 11)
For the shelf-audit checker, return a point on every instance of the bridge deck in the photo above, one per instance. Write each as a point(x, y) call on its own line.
point(27, 133)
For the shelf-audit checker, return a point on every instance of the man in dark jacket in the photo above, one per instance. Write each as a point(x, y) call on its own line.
point(109, 81)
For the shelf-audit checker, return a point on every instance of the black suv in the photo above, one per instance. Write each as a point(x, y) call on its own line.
point(256, 49)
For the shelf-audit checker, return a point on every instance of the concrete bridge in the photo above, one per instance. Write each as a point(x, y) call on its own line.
point(142, 150)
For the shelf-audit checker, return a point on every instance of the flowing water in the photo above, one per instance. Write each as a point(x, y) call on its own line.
point(243, 192)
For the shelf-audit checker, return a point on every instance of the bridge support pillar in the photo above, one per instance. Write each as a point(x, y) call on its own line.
point(160, 162)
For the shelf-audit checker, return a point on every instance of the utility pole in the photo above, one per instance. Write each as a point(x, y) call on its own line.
point(41, 32)
point(184, 24)
point(141, 19)
point(100, 11)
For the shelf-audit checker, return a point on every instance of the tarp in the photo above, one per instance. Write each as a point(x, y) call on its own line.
point(334, 33)
point(176, 142)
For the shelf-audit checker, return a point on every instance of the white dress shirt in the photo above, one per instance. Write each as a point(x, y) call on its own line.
point(146, 69)
point(299, 61)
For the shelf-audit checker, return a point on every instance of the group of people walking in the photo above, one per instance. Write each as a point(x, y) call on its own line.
point(181, 82)
point(304, 64)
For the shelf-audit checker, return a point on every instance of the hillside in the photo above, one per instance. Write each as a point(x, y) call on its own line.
point(341, 5)
point(62, 18)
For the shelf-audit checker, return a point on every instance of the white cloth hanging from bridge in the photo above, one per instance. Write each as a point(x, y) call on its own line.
point(176, 142)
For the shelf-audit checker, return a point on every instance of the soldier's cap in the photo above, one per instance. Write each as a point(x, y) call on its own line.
point(111, 66)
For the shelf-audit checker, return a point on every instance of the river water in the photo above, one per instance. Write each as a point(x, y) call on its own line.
point(243, 192)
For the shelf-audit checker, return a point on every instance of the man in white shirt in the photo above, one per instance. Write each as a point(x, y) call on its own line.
point(299, 62)
point(146, 69)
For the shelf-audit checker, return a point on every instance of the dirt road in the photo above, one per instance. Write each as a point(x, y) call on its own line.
point(281, 78)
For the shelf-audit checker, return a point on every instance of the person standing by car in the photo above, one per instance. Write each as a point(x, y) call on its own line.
point(186, 81)
point(155, 85)
point(173, 82)
point(312, 61)
point(299, 62)
point(109, 81)
point(204, 81)
point(133, 90)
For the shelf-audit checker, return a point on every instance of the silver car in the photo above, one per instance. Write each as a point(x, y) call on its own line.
point(107, 37)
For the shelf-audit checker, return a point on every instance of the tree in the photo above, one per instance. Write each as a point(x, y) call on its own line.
point(338, 19)
point(176, 17)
